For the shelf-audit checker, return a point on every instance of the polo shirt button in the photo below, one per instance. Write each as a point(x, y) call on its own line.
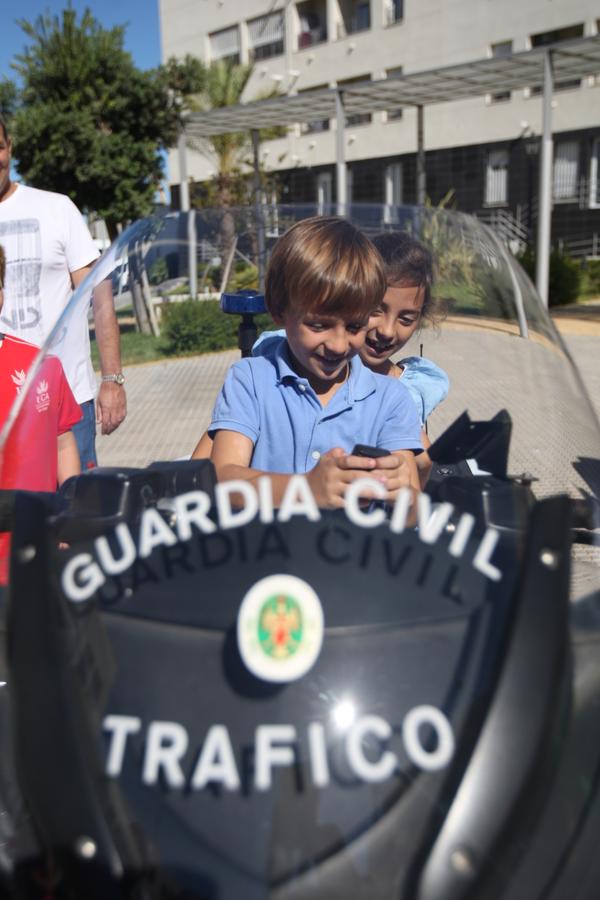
point(315, 454)
point(302, 387)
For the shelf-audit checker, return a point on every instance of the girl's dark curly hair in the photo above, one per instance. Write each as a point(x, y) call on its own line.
point(408, 263)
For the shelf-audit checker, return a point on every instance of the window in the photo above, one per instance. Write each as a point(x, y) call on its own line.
point(496, 178)
point(595, 174)
point(393, 11)
point(225, 44)
point(266, 36)
point(544, 39)
point(392, 191)
point(323, 193)
point(501, 50)
point(566, 171)
point(312, 19)
point(356, 16)
point(358, 118)
point(318, 124)
point(394, 114)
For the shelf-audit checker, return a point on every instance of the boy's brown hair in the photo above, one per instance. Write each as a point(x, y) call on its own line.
point(324, 263)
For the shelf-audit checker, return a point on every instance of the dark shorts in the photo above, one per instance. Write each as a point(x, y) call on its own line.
point(85, 435)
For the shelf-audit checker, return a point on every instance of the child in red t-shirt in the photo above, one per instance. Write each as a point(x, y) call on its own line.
point(39, 452)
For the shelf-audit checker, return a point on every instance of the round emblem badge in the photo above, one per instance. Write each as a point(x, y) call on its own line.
point(280, 628)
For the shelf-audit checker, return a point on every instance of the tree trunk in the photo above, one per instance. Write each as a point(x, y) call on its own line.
point(140, 309)
point(228, 242)
point(112, 226)
point(149, 303)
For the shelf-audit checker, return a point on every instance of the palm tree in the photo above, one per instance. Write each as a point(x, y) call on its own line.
point(224, 86)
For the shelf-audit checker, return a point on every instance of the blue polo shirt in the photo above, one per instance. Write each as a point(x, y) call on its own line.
point(427, 383)
point(266, 400)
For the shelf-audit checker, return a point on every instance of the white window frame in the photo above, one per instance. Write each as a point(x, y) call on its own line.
point(388, 13)
point(226, 51)
point(265, 30)
point(493, 194)
point(559, 192)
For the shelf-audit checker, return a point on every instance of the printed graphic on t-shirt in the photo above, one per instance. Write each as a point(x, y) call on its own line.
point(18, 379)
point(42, 396)
point(21, 239)
point(42, 392)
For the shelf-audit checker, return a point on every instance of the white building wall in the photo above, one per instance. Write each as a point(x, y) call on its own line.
point(432, 34)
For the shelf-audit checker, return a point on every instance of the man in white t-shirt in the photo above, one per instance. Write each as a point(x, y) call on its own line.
point(49, 252)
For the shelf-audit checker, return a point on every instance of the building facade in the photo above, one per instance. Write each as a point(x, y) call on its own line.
point(484, 150)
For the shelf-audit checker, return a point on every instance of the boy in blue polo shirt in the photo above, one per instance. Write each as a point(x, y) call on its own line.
point(302, 407)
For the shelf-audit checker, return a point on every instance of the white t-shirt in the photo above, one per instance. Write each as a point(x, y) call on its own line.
point(45, 239)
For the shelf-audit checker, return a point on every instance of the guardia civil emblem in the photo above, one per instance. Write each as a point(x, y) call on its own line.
point(280, 628)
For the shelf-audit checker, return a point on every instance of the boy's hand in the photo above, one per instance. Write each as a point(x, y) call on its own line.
point(336, 470)
point(400, 469)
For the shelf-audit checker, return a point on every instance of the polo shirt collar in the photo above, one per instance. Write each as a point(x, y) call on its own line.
point(360, 384)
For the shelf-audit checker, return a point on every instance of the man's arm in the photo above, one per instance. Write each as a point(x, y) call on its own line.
point(68, 457)
point(111, 402)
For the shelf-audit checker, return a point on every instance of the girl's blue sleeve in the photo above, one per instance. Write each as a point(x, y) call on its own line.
point(427, 383)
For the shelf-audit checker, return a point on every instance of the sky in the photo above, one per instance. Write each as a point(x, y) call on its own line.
point(142, 35)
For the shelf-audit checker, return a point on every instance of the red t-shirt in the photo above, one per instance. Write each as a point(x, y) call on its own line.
point(28, 460)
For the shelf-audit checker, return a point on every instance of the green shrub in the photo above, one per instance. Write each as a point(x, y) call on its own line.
point(591, 278)
point(565, 276)
point(199, 326)
point(243, 278)
point(158, 271)
point(182, 288)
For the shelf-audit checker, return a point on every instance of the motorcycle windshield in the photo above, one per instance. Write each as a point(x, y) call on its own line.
point(278, 699)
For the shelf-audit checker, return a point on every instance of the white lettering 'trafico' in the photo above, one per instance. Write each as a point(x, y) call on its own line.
point(216, 763)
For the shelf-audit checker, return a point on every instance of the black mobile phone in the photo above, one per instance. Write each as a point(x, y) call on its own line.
point(371, 452)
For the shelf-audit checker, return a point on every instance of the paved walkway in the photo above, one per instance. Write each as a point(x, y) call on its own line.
point(170, 401)
point(555, 432)
point(579, 327)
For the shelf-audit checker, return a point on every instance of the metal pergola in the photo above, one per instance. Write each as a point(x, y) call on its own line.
point(538, 69)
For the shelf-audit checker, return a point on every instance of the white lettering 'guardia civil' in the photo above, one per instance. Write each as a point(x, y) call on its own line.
point(85, 573)
point(168, 759)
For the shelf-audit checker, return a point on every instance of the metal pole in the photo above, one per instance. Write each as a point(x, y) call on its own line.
point(340, 166)
point(184, 189)
point(260, 222)
point(421, 176)
point(192, 255)
point(517, 292)
point(545, 198)
point(184, 205)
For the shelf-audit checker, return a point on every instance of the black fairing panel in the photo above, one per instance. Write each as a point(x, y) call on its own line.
point(406, 624)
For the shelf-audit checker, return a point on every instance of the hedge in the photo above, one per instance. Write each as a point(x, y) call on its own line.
point(199, 326)
point(565, 276)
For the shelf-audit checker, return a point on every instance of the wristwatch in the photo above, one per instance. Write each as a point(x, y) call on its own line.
point(119, 378)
